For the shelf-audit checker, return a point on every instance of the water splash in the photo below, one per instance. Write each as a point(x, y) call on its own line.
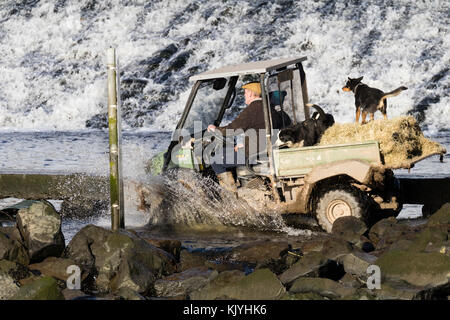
point(186, 198)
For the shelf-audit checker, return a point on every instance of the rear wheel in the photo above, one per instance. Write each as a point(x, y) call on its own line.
point(339, 202)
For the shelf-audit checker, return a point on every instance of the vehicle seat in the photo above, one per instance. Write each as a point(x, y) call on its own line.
point(276, 99)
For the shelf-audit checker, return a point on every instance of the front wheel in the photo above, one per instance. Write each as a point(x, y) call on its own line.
point(339, 202)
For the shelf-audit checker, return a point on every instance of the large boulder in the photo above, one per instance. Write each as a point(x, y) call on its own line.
point(388, 231)
point(53, 267)
point(259, 252)
point(440, 217)
point(397, 290)
point(8, 286)
point(432, 238)
point(259, 285)
point(349, 228)
point(13, 250)
point(416, 268)
point(118, 259)
point(14, 269)
point(10, 273)
point(335, 247)
point(189, 260)
point(321, 286)
point(45, 288)
point(356, 263)
point(80, 247)
point(125, 260)
point(169, 245)
point(183, 283)
point(40, 227)
point(308, 265)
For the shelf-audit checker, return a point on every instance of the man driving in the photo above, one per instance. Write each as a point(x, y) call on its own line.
point(252, 117)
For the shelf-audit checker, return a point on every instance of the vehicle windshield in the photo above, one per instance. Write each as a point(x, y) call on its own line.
point(206, 105)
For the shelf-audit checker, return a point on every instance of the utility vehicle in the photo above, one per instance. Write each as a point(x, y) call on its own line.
point(327, 182)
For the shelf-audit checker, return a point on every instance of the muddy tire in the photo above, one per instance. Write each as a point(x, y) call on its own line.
point(340, 201)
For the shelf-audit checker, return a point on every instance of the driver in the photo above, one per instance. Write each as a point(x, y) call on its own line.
point(252, 117)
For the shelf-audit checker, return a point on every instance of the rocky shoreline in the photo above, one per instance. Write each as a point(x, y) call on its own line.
point(414, 263)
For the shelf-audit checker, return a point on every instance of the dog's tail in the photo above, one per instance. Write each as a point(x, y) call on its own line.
point(393, 93)
point(319, 110)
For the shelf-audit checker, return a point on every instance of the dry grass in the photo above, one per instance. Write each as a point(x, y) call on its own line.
point(401, 139)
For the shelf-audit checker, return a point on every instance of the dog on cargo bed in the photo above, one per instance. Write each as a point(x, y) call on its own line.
point(369, 100)
point(308, 132)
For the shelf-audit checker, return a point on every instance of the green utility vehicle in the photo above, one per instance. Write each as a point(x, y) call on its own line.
point(326, 181)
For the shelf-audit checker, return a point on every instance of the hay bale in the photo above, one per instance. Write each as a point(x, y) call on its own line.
point(401, 139)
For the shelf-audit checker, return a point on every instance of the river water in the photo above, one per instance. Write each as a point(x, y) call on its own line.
point(53, 82)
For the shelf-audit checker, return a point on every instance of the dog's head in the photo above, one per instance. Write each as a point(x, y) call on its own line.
point(290, 136)
point(351, 84)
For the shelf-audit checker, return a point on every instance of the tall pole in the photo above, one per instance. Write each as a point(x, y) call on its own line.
point(115, 158)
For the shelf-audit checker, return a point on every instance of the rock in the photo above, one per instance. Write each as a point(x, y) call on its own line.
point(118, 259)
point(278, 266)
point(443, 248)
point(8, 286)
point(15, 270)
point(79, 248)
point(259, 252)
point(402, 244)
point(183, 283)
point(129, 294)
point(259, 285)
point(213, 290)
point(312, 245)
point(125, 260)
point(53, 267)
point(387, 231)
point(440, 217)
point(435, 235)
point(171, 246)
point(10, 273)
point(73, 294)
point(45, 288)
point(13, 250)
point(416, 268)
point(349, 228)
point(12, 232)
point(303, 296)
point(189, 260)
point(356, 263)
point(40, 227)
point(360, 294)
point(224, 265)
point(321, 286)
point(334, 248)
point(396, 290)
point(308, 265)
point(441, 292)
point(350, 281)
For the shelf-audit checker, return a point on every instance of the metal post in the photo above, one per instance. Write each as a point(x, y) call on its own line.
point(115, 159)
point(268, 128)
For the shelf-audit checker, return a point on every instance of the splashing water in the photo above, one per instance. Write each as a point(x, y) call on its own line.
point(192, 200)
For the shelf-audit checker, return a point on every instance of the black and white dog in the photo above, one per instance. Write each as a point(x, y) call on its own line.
point(306, 133)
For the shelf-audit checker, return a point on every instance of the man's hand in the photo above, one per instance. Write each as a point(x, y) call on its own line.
point(211, 127)
point(240, 145)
